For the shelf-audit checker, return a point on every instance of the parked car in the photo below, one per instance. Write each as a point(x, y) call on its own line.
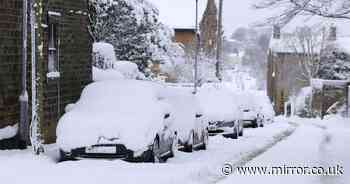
point(221, 109)
point(251, 117)
point(189, 122)
point(118, 119)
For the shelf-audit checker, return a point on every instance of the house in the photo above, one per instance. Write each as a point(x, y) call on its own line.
point(286, 67)
point(63, 62)
point(283, 70)
point(180, 15)
point(185, 36)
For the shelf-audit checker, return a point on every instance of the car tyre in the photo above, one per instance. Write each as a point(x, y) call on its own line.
point(255, 123)
point(189, 145)
point(205, 140)
point(155, 156)
point(241, 132)
point(64, 156)
point(235, 132)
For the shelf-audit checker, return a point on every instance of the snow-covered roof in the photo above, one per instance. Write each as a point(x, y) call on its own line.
point(319, 83)
point(179, 13)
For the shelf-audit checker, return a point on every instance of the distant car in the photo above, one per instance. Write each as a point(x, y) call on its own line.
point(119, 119)
point(250, 117)
point(232, 129)
point(189, 122)
point(224, 116)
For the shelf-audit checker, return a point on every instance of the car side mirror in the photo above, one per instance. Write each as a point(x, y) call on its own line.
point(167, 116)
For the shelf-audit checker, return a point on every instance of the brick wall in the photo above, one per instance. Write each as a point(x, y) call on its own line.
point(75, 61)
point(10, 60)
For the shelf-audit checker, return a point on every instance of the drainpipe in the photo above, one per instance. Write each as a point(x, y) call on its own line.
point(23, 125)
point(197, 52)
point(219, 43)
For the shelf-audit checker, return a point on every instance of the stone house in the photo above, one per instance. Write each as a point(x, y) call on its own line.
point(185, 36)
point(180, 16)
point(286, 72)
point(63, 58)
point(283, 71)
point(209, 28)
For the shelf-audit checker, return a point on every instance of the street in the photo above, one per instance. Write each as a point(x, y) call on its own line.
point(281, 143)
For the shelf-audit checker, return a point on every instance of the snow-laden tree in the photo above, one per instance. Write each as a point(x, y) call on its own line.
point(335, 64)
point(133, 28)
point(289, 9)
point(309, 45)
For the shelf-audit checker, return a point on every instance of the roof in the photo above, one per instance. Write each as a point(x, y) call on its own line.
point(180, 13)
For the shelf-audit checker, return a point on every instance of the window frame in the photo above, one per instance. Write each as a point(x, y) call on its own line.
point(53, 45)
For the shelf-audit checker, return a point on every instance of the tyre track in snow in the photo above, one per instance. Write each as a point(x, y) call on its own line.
point(246, 158)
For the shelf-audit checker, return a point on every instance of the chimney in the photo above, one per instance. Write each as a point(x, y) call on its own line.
point(332, 33)
point(276, 32)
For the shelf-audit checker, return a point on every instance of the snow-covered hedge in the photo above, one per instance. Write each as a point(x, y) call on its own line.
point(106, 66)
point(103, 55)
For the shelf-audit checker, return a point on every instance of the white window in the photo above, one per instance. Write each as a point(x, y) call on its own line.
point(53, 48)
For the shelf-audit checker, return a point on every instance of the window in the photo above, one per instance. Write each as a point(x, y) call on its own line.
point(53, 48)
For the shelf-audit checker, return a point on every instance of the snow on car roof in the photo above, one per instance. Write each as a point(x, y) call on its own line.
point(219, 103)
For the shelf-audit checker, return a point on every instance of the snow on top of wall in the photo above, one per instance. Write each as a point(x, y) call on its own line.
point(319, 83)
point(8, 132)
point(344, 43)
point(179, 13)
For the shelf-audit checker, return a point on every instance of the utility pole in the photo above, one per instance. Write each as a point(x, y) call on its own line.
point(23, 125)
point(197, 52)
point(219, 43)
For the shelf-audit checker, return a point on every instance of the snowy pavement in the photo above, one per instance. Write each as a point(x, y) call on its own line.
point(188, 168)
point(314, 144)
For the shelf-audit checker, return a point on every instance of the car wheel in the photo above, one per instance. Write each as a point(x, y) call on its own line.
point(241, 132)
point(64, 156)
point(255, 123)
point(235, 132)
point(189, 144)
point(174, 146)
point(205, 139)
point(156, 152)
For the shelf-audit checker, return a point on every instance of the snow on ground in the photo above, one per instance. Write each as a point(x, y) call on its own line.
point(188, 168)
point(315, 143)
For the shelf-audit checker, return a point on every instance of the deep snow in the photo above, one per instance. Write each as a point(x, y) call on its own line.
point(315, 143)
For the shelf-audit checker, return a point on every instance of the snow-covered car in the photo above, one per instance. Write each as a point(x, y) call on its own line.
point(221, 109)
point(189, 122)
point(123, 119)
point(251, 117)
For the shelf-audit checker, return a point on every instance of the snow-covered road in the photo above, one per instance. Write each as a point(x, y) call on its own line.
point(312, 145)
point(18, 167)
point(293, 142)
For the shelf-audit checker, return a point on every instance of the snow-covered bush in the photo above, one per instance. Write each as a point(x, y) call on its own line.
point(132, 27)
point(335, 64)
point(103, 55)
point(106, 66)
point(304, 103)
